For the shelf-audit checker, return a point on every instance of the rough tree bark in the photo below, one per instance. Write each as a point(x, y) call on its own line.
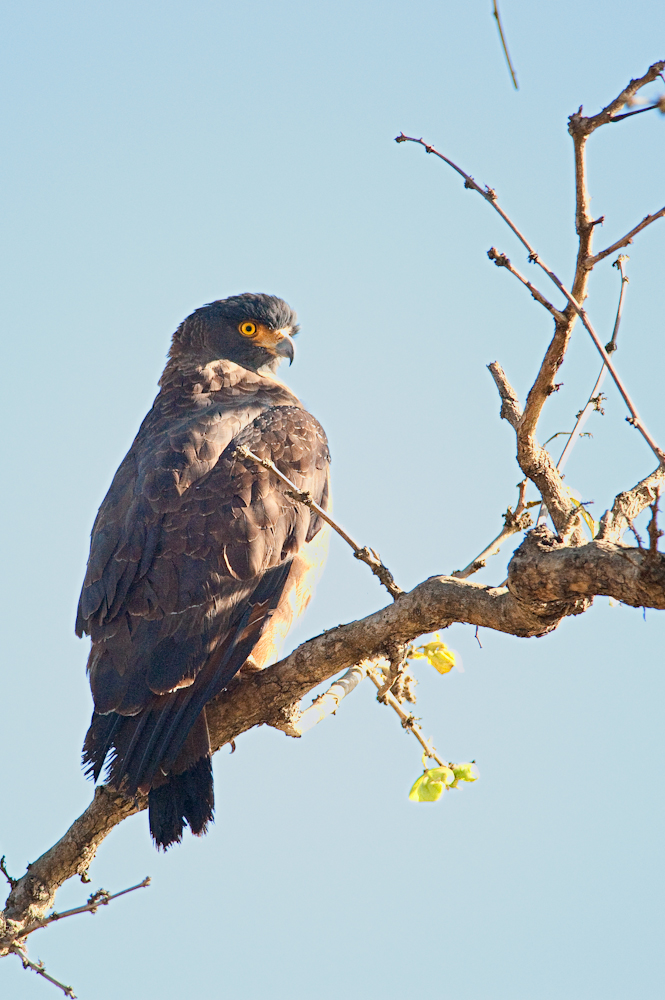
point(550, 575)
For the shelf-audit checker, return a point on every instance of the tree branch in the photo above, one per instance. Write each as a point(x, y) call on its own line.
point(593, 401)
point(407, 719)
point(585, 126)
point(547, 581)
point(580, 129)
point(34, 894)
point(625, 240)
point(632, 576)
point(628, 505)
point(328, 702)
point(362, 553)
point(514, 521)
point(38, 967)
point(99, 898)
point(504, 45)
point(501, 260)
point(535, 461)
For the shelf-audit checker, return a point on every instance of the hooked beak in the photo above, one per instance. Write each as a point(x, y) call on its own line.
point(277, 342)
point(284, 347)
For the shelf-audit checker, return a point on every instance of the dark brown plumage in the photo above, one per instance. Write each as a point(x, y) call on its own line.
point(198, 560)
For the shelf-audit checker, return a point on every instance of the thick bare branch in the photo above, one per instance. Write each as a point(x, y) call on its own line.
point(535, 461)
point(544, 568)
point(541, 594)
point(628, 505)
point(585, 126)
point(34, 894)
point(510, 405)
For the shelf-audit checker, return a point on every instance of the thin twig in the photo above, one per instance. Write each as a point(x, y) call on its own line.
point(3, 869)
point(490, 196)
point(496, 14)
point(328, 702)
point(653, 530)
point(363, 553)
point(97, 899)
point(640, 111)
point(38, 967)
point(625, 240)
point(501, 260)
point(514, 521)
point(408, 719)
point(593, 402)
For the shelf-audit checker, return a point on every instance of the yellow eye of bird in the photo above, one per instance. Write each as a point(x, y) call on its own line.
point(247, 329)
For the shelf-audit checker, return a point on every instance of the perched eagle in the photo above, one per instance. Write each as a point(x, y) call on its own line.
point(198, 559)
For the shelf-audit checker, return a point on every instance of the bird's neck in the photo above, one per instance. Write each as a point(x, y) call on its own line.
point(190, 376)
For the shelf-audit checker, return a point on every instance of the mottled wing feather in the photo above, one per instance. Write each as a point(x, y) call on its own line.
point(177, 578)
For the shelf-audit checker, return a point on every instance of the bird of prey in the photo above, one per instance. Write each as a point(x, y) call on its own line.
point(199, 561)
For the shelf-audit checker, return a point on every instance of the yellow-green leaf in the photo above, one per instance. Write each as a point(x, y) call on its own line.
point(438, 654)
point(431, 785)
point(592, 525)
point(465, 772)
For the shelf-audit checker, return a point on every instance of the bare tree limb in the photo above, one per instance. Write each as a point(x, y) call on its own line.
point(580, 128)
point(514, 521)
point(497, 17)
point(632, 576)
point(593, 402)
point(363, 553)
point(585, 126)
point(34, 894)
point(99, 898)
point(628, 505)
point(510, 406)
point(328, 702)
point(625, 240)
point(407, 719)
point(547, 581)
point(501, 260)
point(535, 461)
point(38, 967)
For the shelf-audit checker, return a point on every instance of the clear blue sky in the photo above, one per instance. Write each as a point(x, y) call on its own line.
point(156, 156)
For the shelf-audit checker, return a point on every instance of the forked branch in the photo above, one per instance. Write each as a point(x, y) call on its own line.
point(580, 128)
point(625, 240)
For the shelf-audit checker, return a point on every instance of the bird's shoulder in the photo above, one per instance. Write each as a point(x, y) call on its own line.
point(181, 482)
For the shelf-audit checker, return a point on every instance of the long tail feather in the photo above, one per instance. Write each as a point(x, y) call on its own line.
point(186, 798)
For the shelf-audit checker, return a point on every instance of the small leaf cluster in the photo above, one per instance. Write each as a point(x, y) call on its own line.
point(431, 785)
point(435, 652)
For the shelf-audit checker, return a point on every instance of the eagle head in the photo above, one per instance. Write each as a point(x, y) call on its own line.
point(253, 330)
